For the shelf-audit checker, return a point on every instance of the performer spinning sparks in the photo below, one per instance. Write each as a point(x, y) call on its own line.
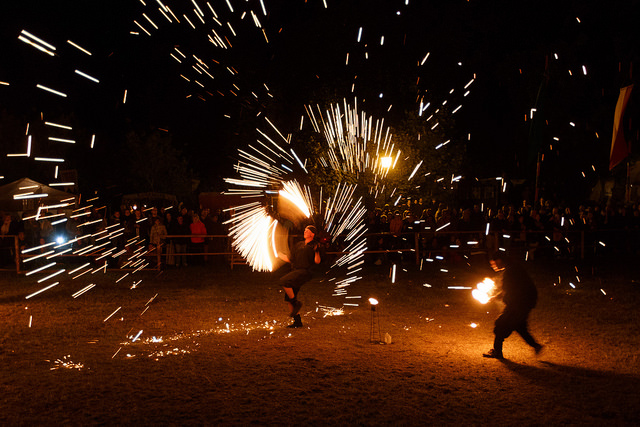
point(519, 295)
point(303, 256)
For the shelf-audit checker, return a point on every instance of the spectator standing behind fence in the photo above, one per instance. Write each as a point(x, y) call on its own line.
point(116, 220)
point(170, 248)
point(7, 240)
point(186, 216)
point(31, 228)
point(153, 215)
point(141, 227)
point(157, 238)
point(197, 242)
point(128, 221)
point(206, 219)
point(395, 228)
point(179, 228)
point(46, 231)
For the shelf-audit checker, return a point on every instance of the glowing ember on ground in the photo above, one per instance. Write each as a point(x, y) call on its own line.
point(66, 363)
point(330, 311)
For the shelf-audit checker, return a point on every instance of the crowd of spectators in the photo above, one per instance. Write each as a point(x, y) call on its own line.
point(182, 236)
point(546, 228)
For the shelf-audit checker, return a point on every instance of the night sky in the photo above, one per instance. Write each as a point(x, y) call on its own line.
point(505, 45)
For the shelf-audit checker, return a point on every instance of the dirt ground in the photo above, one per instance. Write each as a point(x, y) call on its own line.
point(208, 346)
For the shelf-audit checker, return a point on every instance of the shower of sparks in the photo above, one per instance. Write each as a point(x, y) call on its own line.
point(330, 311)
point(87, 76)
point(42, 290)
point(36, 42)
point(66, 363)
point(83, 290)
point(355, 142)
point(48, 89)
point(111, 315)
point(184, 343)
point(79, 47)
point(251, 230)
point(294, 193)
point(263, 169)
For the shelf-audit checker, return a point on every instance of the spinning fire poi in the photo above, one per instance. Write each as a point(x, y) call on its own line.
point(485, 291)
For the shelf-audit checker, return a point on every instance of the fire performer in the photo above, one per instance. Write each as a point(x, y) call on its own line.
point(303, 256)
point(519, 295)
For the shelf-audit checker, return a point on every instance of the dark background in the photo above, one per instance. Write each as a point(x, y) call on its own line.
point(508, 46)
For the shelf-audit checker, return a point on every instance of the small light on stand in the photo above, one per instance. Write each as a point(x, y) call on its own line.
point(375, 318)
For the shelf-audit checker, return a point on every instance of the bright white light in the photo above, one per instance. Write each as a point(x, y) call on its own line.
point(60, 240)
point(385, 162)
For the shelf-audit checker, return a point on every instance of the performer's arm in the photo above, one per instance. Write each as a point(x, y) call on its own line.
point(317, 258)
point(283, 257)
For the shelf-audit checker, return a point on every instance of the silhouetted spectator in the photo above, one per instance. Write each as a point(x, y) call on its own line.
point(8, 231)
point(179, 228)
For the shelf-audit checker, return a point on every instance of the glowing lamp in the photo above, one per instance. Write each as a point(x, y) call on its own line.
point(375, 319)
point(386, 162)
point(60, 240)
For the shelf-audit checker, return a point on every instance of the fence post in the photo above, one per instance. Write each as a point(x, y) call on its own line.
point(417, 242)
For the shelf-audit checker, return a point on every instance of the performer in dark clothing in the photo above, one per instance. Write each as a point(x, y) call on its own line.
point(519, 295)
point(303, 256)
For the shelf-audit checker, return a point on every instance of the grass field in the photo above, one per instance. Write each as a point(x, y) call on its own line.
point(208, 345)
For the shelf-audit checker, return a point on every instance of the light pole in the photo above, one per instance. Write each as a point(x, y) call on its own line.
point(374, 317)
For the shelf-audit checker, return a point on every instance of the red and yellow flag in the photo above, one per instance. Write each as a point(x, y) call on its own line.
point(620, 148)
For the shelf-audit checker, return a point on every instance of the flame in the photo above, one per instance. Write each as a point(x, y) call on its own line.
point(292, 192)
point(254, 230)
point(253, 238)
point(484, 290)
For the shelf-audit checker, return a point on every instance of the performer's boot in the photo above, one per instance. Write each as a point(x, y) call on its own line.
point(496, 351)
point(297, 322)
point(296, 305)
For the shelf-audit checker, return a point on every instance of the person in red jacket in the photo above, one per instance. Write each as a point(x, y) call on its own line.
point(198, 233)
